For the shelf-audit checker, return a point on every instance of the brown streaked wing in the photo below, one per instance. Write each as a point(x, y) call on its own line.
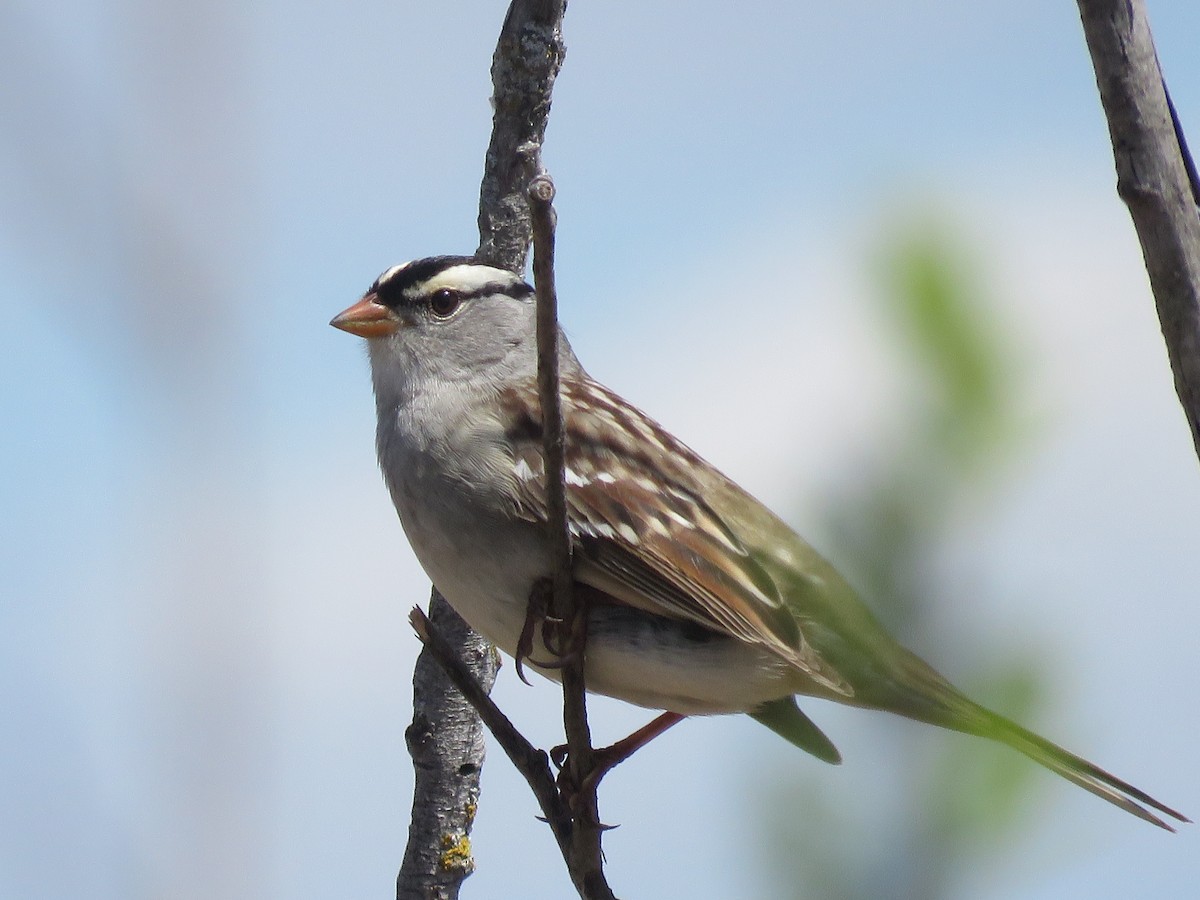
point(648, 537)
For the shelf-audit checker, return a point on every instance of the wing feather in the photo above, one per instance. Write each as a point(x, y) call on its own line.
point(646, 532)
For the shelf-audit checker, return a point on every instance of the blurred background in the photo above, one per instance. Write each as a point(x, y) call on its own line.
point(866, 257)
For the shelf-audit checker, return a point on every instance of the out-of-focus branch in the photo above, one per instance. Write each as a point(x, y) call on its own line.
point(445, 737)
point(585, 859)
point(1153, 179)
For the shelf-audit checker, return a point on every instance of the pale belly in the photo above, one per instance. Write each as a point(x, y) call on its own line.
point(486, 573)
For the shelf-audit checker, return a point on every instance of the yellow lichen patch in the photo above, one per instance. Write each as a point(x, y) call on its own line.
point(456, 853)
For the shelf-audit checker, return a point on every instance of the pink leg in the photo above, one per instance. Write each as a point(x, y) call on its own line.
point(617, 753)
point(614, 754)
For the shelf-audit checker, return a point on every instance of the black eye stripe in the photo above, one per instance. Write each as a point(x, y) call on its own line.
point(399, 285)
point(414, 283)
point(512, 289)
point(517, 290)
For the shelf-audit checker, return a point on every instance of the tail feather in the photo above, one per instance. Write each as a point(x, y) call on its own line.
point(785, 718)
point(1076, 769)
point(915, 690)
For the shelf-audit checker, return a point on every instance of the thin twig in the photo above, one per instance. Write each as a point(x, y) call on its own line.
point(541, 198)
point(586, 860)
point(1152, 179)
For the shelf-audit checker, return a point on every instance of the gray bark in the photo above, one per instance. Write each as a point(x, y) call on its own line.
point(446, 743)
point(528, 56)
point(1153, 179)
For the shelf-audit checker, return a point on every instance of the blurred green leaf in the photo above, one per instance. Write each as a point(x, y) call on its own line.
point(935, 294)
point(962, 423)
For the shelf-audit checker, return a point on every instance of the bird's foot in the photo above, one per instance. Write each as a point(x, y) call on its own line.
point(537, 613)
point(605, 759)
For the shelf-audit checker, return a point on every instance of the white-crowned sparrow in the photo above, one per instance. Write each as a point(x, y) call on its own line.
point(702, 600)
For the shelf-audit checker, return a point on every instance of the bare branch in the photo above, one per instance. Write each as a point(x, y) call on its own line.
point(527, 59)
point(529, 761)
point(446, 743)
point(586, 860)
point(1152, 179)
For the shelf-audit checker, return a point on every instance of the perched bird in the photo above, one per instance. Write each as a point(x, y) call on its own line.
point(702, 601)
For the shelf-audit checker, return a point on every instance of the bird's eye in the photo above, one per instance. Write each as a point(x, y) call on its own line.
point(444, 302)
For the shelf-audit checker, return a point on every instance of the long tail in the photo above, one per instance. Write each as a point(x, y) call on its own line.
point(918, 692)
point(1075, 769)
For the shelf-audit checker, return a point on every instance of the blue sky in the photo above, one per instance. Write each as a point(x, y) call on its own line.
point(203, 630)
